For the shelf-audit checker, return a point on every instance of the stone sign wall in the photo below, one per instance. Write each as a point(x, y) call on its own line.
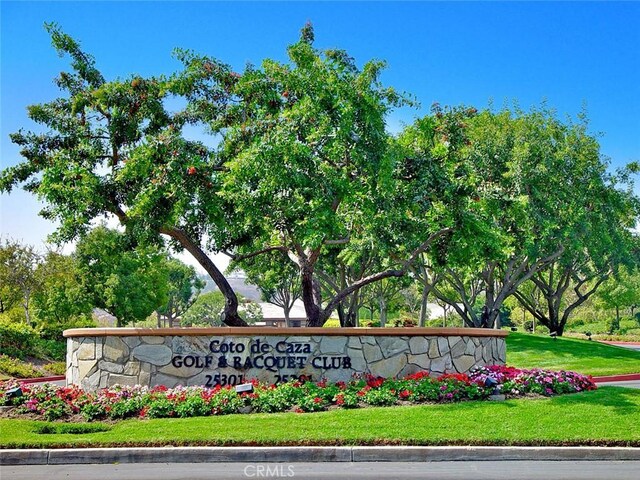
point(99, 358)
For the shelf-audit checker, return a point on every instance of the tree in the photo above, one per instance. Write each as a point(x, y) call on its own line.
point(604, 214)
point(126, 282)
point(63, 295)
point(276, 278)
point(184, 288)
point(532, 185)
point(208, 309)
point(18, 278)
point(384, 296)
point(620, 291)
point(205, 311)
point(112, 148)
point(308, 164)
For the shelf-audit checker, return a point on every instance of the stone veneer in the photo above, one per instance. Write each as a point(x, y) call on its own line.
point(99, 358)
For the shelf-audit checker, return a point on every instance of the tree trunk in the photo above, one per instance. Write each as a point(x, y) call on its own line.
point(309, 295)
point(341, 316)
point(286, 308)
point(230, 313)
point(423, 306)
point(25, 305)
point(159, 317)
point(383, 311)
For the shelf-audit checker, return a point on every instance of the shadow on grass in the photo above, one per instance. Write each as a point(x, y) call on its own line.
point(625, 401)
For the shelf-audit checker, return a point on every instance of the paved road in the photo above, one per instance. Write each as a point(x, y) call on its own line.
point(628, 384)
point(522, 470)
point(630, 345)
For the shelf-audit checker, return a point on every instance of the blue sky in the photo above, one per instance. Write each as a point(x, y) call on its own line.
point(568, 54)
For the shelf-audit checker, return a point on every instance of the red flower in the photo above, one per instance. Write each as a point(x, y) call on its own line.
point(374, 382)
point(191, 170)
point(417, 376)
point(461, 377)
point(317, 400)
point(405, 394)
point(364, 391)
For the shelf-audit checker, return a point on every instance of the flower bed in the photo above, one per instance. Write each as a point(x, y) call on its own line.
point(51, 402)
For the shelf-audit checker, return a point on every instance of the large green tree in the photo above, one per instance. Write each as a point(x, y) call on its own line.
point(619, 292)
point(309, 164)
point(537, 195)
point(130, 283)
point(63, 296)
point(113, 148)
point(184, 288)
point(19, 279)
point(277, 279)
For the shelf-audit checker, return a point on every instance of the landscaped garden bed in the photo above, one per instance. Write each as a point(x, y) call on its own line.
point(72, 403)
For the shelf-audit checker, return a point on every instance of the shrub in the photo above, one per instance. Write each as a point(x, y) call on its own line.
point(193, 406)
point(332, 323)
point(17, 339)
point(381, 397)
point(49, 349)
point(15, 368)
point(160, 408)
point(126, 408)
point(56, 368)
point(53, 331)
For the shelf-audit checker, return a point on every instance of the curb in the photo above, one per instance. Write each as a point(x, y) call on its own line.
point(41, 379)
point(617, 378)
point(311, 454)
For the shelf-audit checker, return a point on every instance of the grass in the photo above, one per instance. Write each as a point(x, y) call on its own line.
point(608, 416)
point(592, 358)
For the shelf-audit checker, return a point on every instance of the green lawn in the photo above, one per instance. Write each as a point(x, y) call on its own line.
point(608, 416)
point(535, 351)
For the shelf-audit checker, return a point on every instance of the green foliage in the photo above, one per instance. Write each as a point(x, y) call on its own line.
point(184, 288)
point(127, 408)
point(18, 277)
point(63, 298)
point(308, 162)
point(20, 340)
point(208, 307)
point(49, 349)
point(193, 406)
point(55, 368)
point(380, 398)
point(53, 331)
point(112, 148)
point(160, 408)
point(129, 283)
point(276, 277)
point(205, 311)
point(17, 339)
point(304, 169)
point(505, 173)
point(621, 291)
point(17, 369)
